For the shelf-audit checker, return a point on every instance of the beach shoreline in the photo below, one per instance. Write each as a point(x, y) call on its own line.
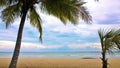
point(60, 63)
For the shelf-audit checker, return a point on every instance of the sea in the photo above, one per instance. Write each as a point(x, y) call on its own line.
point(59, 55)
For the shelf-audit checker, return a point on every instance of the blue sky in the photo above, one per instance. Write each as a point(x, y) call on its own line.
point(58, 37)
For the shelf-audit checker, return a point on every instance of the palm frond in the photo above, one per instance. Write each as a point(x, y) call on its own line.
point(110, 52)
point(10, 13)
point(118, 45)
point(35, 20)
point(108, 43)
point(110, 39)
point(3, 3)
point(101, 36)
point(66, 10)
point(116, 39)
point(84, 14)
point(110, 33)
point(13, 1)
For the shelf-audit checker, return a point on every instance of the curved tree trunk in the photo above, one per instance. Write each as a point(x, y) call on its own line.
point(104, 64)
point(18, 42)
point(104, 60)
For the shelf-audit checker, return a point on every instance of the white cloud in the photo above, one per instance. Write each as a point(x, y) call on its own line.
point(103, 9)
point(81, 29)
point(28, 46)
point(85, 45)
point(24, 45)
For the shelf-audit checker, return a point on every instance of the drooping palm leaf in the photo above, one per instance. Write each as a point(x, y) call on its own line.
point(10, 13)
point(35, 20)
point(13, 1)
point(3, 3)
point(101, 36)
point(66, 10)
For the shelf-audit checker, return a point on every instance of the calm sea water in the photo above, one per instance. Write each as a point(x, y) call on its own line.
point(59, 55)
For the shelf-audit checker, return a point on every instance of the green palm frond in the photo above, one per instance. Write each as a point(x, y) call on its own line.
point(13, 1)
point(116, 39)
point(4, 3)
point(35, 20)
point(118, 31)
point(110, 39)
point(110, 33)
point(110, 52)
point(10, 13)
point(84, 14)
point(101, 36)
point(118, 45)
point(66, 10)
point(108, 43)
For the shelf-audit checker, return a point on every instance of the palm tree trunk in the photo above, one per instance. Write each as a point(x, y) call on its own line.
point(18, 42)
point(104, 60)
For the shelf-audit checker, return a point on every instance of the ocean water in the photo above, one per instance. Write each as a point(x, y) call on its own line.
point(59, 55)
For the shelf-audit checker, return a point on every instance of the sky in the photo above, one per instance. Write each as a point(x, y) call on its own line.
point(59, 37)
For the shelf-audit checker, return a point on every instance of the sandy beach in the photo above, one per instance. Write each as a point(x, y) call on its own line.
point(59, 63)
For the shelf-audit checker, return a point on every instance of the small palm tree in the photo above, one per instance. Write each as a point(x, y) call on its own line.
point(65, 10)
point(109, 40)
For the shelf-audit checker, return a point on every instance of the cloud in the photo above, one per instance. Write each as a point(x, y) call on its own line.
point(25, 45)
point(9, 45)
point(104, 9)
point(82, 29)
point(85, 45)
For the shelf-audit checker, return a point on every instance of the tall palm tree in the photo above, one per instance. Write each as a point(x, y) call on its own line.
point(65, 10)
point(109, 40)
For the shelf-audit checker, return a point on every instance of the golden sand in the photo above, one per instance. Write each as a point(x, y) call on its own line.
point(59, 63)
